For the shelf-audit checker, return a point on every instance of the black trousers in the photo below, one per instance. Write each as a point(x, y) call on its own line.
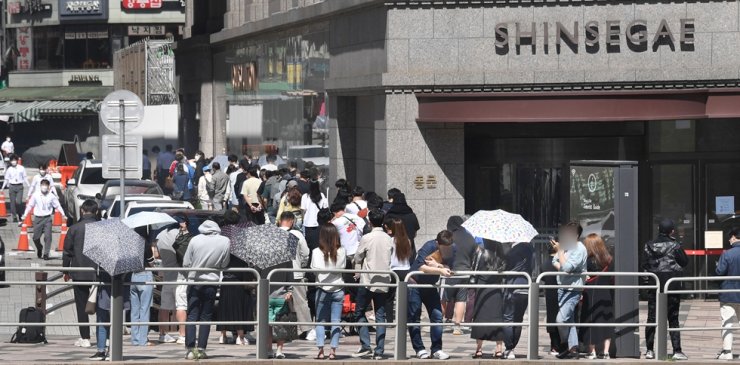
point(82, 293)
point(674, 303)
point(515, 305)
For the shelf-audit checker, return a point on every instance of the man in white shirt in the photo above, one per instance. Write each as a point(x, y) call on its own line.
point(358, 205)
point(43, 204)
point(350, 228)
point(233, 198)
point(15, 180)
point(270, 165)
point(36, 181)
point(300, 301)
point(7, 147)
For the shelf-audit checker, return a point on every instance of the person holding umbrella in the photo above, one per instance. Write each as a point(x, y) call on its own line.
point(208, 250)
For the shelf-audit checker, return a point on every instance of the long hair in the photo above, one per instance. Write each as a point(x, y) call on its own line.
point(597, 249)
point(329, 242)
point(314, 192)
point(403, 243)
point(492, 257)
point(294, 196)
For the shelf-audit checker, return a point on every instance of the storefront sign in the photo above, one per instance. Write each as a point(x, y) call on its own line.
point(144, 30)
point(72, 34)
point(419, 182)
point(636, 33)
point(28, 7)
point(24, 42)
point(153, 4)
point(85, 80)
point(244, 77)
point(431, 182)
point(83, 9)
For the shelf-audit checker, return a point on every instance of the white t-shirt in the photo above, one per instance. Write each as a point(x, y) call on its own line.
point(311, 210)
point(350, 229)
point(355, 207)
point(397, 264)
point(167, 254)
point(318, 262)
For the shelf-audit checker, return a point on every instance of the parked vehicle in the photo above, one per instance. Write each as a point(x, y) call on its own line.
point(144, 206)
point(85, 184)
point(112, 189)
point(114, 210)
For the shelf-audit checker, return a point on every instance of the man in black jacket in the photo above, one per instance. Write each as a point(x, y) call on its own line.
point(401, 210)
point(664, 257)
point(73, 257)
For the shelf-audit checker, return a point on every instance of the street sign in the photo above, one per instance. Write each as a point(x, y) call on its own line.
point(111, 156)
point(110, 111)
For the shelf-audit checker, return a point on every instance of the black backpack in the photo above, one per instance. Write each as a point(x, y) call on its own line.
point(181, 245)
point(30, 334)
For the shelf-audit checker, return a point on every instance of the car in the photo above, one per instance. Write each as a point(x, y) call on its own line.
point(196, 217)
point(143, 206)
point(85, 184)
point(114, 210)
point(112, 189)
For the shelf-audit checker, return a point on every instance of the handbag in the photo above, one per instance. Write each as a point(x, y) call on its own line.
point(285, 332)
point(92, 301)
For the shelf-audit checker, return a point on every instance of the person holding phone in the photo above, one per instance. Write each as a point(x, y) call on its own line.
point(250, 189)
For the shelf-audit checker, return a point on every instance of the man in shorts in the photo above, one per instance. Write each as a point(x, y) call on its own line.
point(173, 297)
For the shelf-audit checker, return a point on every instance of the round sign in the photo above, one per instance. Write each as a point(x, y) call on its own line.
point(592, 183)
point(110, 111)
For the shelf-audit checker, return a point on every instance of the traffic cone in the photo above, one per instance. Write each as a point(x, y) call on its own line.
point(62, 236)
point(57, 219)
point(23, 239)
point(3, 210)
point(28, 222)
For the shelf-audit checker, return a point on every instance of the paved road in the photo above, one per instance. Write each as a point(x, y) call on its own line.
point(699, 346)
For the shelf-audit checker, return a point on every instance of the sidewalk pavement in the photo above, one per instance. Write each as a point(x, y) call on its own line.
point(700, 346)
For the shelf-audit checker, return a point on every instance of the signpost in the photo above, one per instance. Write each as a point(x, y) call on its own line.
point(121, 112)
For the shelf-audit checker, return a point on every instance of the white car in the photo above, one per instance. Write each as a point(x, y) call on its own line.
point(115, 209)
point(143, 206)
point(86, 183)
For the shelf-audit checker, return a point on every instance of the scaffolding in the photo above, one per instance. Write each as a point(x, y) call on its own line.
point(147, 68)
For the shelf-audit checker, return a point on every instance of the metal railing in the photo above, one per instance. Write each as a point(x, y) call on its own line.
point(537, 285)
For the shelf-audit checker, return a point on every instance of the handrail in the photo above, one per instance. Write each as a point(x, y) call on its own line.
point(668, 291)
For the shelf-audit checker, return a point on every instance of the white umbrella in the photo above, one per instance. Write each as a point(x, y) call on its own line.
point(155, 220)
point(500, 225)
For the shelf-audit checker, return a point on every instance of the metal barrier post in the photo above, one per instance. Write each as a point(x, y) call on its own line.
point(661, 317)
point(263, 319)
point(116, 318)
point(534, 321)
point(41, 277)
point(402, 303)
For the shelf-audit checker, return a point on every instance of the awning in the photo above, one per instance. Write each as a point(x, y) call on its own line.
point(19, 112)
point(67, 93)
point(578, 106)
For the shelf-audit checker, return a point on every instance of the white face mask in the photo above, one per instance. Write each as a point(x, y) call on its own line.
point(14, 163)
point(42, 172)
point(197, 157)
point(44, 189)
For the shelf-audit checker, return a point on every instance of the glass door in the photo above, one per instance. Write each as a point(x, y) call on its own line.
point(721, 190)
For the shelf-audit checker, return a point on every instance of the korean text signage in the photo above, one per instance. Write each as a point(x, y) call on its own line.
point(639, 36)
point(24, 40)
point(153, 4)
point(83, 10)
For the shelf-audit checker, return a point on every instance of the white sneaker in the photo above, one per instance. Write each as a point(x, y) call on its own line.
point(166, 338)
point(181, 340)
point(554, 352)
point(83, 343)
point(241, 341)
point(725, 355)
point(441, 355)
point(509, 355)
point(591, 356)
point(221, 340)
point(423, 355)
point(311, 336)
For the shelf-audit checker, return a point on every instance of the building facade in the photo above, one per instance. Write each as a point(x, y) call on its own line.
point(468, 105)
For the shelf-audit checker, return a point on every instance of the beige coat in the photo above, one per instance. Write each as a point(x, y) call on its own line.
point(374, 253)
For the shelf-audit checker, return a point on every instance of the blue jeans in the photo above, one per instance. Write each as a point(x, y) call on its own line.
point(141, 303)
point(201, 300)
point(429, 297)
point(102, 315)
point(364, 297)
point(329, 308)
point(567, 302)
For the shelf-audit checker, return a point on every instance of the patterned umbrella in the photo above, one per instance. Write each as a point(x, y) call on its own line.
point(263, 246)
point(114, 246)
point(500, 226)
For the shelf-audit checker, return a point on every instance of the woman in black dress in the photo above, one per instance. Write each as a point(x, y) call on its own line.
point(597, 304)
point(489, 302)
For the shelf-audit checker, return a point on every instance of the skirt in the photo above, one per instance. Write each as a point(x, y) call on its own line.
point(488, 308)
point(235, 304)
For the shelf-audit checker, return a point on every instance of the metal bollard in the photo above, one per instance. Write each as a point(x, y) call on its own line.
point(534, 321)
point(116, 318)
point(661, 333)
point(263, 319)
point(402, 303)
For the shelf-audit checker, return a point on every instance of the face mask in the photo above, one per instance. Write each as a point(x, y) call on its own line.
point(197, 157)
point(14, 163)
point(42, 172)
point(44, 189)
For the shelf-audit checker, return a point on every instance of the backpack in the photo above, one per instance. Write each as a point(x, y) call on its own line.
point(30, 334)
point(298, 225)
point(181, 245)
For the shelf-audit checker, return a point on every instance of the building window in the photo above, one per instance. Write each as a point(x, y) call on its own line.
point(87, 47)
point(48, 52)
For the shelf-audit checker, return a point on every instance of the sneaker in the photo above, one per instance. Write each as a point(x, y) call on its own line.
point(250, 339)
point(311, 335)
point(509, 355)
point(240, 341)
point(192, 355)
point(441, 355)
point(378, 357)
point(571, 354)
point(202, 355)
point(221, 340)
point(604, 356)
point(181, 340)
point(82, 342)
point(99, 356)
point(591, 356)
point(725, 355)
point(279, 355)
point(678, 355)
point(362, 353)
point(649, 355)
point(423, 355)
point(554, 352)
point(166, 338)
point(457, 331)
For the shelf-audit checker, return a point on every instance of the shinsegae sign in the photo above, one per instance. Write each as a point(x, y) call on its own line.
point(638, 34)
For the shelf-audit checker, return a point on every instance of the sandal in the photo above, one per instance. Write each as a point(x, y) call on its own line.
point(320, 356)
point(478, 355)
point(498, 355)
point(332, 357)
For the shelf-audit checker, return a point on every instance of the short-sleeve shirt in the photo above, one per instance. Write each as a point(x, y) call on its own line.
point(311, 209)
point(350, 229)
point(250, 187)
